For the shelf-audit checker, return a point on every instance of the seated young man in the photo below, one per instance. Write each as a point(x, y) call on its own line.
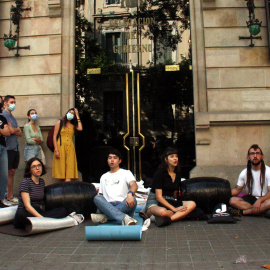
point(116, 199)
point(256, 179)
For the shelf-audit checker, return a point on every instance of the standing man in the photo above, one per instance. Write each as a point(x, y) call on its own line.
point(116, 193)
point(12, 145)
point(256, 179)
point(4, 131)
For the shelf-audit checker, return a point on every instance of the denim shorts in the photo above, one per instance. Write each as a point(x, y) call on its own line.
point(31, 151)
point(151, 201)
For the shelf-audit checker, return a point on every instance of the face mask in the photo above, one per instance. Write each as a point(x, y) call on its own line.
point(70, 116)
point(34, 117)
point(11, 107)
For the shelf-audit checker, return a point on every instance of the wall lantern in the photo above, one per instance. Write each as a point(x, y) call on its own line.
point(10, 39)
point(253, 24)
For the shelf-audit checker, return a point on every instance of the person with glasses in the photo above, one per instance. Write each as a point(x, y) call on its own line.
point(32, 195)
point(256, 181)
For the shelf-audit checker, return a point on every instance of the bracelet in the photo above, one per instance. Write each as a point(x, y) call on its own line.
point(79, 120)
point(130, 192)
point(56, 151)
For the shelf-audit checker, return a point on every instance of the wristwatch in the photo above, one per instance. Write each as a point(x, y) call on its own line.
point(131, 192)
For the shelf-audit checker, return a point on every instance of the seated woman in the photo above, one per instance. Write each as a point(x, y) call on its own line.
point(31, 196)
point(164, 201)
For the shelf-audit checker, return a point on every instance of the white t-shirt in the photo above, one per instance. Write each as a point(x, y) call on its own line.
point(115, 186)
point(256, 190)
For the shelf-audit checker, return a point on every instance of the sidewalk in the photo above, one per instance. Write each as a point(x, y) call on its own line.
point(182, 245)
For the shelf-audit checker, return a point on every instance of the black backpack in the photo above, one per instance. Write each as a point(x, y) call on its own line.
point(221, 215)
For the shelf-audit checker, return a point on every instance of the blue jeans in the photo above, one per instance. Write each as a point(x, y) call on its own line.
point(3, 171)
point(114, 210)
point(32, 150)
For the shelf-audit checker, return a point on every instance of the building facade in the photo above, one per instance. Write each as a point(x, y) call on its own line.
point(230, 79)
point(231, 85)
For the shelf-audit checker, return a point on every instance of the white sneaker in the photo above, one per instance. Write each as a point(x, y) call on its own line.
point(78, 218)
point(6, 202)
point(127, 221)
point(99, 218)
point(14, 200)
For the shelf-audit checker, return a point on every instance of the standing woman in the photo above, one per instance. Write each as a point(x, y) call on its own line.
point(164, 201)
point(32, 195)
point(64, 158)
point(33, 136)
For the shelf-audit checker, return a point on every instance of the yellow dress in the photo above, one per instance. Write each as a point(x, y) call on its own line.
point(65, 166)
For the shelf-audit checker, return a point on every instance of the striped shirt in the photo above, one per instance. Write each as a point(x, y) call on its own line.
point(36, 191)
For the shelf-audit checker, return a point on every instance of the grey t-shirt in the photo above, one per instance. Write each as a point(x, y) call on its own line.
point(11, 141)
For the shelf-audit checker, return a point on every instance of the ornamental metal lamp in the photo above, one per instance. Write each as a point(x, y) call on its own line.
point(10, 39)
point(253, 24)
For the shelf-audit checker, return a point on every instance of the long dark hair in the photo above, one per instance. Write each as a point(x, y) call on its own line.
point(28, 113)
point(249, 174)
point(74, 121)
point(164, 165)
point(27, 171)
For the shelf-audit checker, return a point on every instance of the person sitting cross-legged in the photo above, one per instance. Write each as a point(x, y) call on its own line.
point(256, 179)
point(164, 201)
point(116, 199)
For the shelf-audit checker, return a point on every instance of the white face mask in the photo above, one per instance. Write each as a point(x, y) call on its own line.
point(11, 107)
point(70, 116)
point(34, 117)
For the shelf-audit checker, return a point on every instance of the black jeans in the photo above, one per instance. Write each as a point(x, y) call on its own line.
point(21, 220)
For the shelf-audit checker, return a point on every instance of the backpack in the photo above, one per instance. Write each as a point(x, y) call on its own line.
point(50, 137)
point(221, 215)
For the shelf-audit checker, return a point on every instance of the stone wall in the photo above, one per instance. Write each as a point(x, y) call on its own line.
point(231, 86)
point(42, 77)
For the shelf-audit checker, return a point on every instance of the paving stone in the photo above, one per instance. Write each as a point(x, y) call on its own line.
point(182, 245)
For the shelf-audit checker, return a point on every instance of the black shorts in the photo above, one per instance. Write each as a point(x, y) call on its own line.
point(13, 159)
point(249, 199)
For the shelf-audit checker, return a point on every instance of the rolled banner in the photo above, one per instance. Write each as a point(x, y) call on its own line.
point(7, 214)
point(113, 232)
point(44, 224)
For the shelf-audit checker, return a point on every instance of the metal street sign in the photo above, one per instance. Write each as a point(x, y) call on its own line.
point(93, 70)
point(172, 68)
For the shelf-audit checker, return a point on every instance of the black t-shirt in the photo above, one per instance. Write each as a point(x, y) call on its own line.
point(162, 180)
point(3, 121)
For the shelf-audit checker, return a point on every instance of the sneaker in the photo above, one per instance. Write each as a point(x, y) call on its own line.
point(6, 203)
point(99, 218)
point(235, 212)
point(13, 201)
point(162, 221)
point(153, 218)
point(127, 221)
point(78, 218)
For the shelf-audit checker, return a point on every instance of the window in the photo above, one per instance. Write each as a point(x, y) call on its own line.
point(164, 54)
point(109, 2)
point(114, 45)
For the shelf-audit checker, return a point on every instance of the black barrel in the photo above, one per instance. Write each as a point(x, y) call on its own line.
point(74, 196)
point(207, 192)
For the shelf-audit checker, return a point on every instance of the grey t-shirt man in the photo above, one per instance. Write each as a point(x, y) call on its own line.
point(12, 140)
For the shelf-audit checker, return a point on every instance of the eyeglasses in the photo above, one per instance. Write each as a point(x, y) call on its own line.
point(255, 153)
point(36, 166)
